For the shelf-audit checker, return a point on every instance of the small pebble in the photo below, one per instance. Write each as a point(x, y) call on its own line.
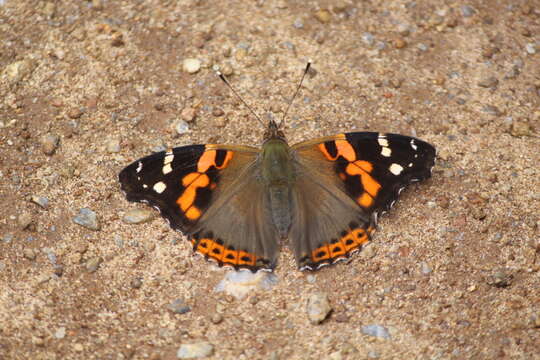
point(324, 16)
point(422, 47)
point(227, 70)
point(368, 38)
point(216, 318)
point(93, 264)
point(513, 72)
point(520, 128)
point(530, 48)
point(113, 146)
point(298, 24)
point(59, 270)
point(60, 333)
point(49, 143)
point(25, 220)
point(400, 43)
point(318, 307)
point(217, 112)
point(138, 216)
point(489, 82)
point(87, 218)
point(191, 66)
point(188, 114)
point(18, 70)
point(29, 254)
point(376, 331)
point(136, 283)
point(8, 238)
point(75, 113)
point(181, 127)
point(467, 11)
point(178, 306)
point(424, 267)
point(40, 200)
point(491, 110)
point(500, 279)
point(195, 351)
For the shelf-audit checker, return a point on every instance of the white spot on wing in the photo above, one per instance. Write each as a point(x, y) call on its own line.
point(167, 169)
point(382, 141)
point(395, 169)
point(139, 167)
point(413, 145)
point(410, 164)
point(386, 151)
point(159, 187)
point(168, 159)
point(145, 186)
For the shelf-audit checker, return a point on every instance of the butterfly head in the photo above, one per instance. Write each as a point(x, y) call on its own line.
point(273, 132)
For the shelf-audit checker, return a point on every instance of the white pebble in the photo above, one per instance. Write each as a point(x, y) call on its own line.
point(191, 65)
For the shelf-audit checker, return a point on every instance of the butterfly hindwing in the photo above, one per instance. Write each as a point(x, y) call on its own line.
point(203, 191)
point(361, 175)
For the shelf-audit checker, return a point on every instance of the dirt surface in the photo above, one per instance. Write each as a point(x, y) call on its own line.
point(89, 86)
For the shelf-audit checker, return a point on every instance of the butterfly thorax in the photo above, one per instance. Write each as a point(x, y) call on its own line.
point(277, 175)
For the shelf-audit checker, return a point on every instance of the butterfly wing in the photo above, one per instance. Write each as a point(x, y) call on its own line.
point(343, 183)
point(210, 193)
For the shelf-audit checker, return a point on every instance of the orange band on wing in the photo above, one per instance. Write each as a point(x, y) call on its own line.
point(343, 148)
point(370, 185)
point(208, 159)
point(346, 150)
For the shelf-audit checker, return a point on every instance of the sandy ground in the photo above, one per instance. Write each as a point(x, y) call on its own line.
point(89, 86)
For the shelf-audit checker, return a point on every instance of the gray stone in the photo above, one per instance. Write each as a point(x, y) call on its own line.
point(376, 331)
point(178, 306)
point(181, 127)
point(195, 351)
point(87, 218)
point(467, 11)
point(40, 200)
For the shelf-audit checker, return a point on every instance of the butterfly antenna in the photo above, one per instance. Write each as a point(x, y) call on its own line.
point(308, 65)
point(222, 77)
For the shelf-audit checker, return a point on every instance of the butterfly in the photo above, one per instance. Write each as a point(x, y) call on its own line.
point(236, 204)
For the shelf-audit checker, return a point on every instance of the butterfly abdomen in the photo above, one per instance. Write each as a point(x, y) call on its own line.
point(277, 173)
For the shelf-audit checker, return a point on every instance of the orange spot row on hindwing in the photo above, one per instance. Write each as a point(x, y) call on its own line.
point(223, 255)
point(351, 241)
point(199, 179)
